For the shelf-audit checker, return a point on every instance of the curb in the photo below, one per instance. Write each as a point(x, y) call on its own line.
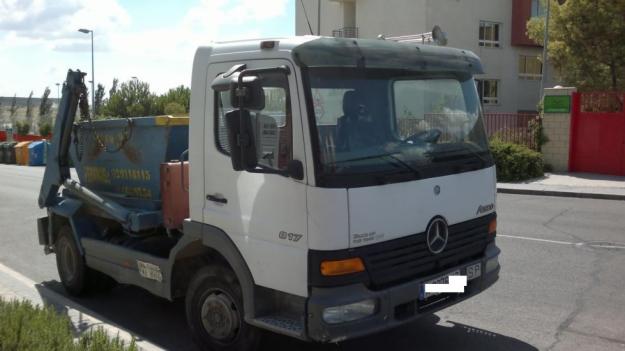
point(570, 194)
point(14, 285)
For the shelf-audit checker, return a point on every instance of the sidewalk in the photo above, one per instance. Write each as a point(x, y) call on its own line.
point(13, 285)
point(581, 185)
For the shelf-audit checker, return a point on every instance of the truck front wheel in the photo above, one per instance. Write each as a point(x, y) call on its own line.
point(215, 313)
point(76, 277)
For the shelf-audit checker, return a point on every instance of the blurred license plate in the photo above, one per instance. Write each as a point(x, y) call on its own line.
point(472, 271)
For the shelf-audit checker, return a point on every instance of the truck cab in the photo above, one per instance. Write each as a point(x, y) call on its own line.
point(329, 180)
point(387, 142)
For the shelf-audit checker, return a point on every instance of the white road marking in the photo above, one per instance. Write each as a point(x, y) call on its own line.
point(593, 245)
point(17, 276)
point(602, 246)
point(538, 239)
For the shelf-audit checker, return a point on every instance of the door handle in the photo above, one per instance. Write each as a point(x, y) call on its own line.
point(217, 198)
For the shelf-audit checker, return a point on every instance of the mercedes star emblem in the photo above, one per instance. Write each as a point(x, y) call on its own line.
point(436, 235)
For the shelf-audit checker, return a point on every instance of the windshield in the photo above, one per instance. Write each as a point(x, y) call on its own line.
point(376, 122)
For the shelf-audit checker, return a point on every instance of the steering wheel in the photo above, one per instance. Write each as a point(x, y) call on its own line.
point(426, 136)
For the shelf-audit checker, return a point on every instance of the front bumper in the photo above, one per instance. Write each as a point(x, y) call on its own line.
point(397, 305)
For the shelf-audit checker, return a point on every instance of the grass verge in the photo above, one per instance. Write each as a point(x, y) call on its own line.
point(26, 327)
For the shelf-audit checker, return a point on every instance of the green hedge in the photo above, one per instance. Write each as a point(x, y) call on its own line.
point(33, 328)
point(516, 162)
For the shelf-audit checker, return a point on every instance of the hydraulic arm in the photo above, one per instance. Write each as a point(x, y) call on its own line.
point(57, 168)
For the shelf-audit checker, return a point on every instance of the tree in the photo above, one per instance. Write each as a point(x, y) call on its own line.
point(113, 89)
point(174, 109)
point(133, 99)
point(99, 97)
point(22, 127)
point(180, 95)
point(45, 128)
point(586, 44)
point(45, 106)
point(29, 107)
point(13, 108)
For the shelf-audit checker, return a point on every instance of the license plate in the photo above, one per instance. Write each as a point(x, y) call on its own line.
point(150, 271)
point(473, 271)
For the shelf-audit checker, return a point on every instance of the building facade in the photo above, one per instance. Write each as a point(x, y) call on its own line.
point(493, 29)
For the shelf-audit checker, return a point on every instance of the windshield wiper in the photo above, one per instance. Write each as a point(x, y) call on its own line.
point(477, 154)
point(406, 165)
point(435, 155)
point(364, 158)
point(394, 160)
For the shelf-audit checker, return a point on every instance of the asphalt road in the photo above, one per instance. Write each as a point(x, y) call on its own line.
point(562, 284)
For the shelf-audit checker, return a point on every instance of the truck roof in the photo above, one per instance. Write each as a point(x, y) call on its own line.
point(315, 51)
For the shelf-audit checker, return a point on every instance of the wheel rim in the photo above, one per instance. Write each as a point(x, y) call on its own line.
point(68, 260)
point(220, 317)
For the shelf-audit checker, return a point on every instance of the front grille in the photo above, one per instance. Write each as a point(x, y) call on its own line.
point(408, 258)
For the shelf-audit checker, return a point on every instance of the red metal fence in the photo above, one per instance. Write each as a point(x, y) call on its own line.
point(29, 137)
point(512, 127)
point(516, 128)
point(598, 133)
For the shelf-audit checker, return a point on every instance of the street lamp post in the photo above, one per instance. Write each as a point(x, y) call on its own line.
point(85, 31)
point(543, 79)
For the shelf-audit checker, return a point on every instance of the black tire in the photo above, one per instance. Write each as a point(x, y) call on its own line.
point(76, 277)
point(211, 290)
point(70, 264)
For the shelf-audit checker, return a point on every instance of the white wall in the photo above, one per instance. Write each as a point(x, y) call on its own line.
point(331, 16)
point(391, 18)
point(460, 19)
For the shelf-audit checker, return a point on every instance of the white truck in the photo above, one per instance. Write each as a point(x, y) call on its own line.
point(329, 180)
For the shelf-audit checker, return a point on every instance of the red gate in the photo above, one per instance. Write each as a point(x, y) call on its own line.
point(598, 133)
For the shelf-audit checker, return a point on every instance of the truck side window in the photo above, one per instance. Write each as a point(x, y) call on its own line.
point(272, 125)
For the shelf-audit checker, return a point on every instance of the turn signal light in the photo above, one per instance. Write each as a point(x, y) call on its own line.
point(492, 226)
point(342, 267)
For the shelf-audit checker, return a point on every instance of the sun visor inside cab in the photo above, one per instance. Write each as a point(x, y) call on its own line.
point(375, 53)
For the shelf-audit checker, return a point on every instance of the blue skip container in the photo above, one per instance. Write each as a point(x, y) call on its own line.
point(37, 153)
point(122, 157)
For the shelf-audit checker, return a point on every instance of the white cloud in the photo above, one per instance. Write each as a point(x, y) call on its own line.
point(54, 23)
point(162, 56)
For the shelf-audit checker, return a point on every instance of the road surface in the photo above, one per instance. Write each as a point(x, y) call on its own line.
point(562, 284)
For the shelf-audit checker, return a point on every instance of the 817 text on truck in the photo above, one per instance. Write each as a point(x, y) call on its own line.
point(328, 180)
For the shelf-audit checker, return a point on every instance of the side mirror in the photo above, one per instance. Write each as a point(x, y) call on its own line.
point(241, 140)
point(249, 94)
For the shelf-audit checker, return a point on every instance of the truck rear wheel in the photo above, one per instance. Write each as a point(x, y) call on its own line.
point(215, 315)
point(76, 277)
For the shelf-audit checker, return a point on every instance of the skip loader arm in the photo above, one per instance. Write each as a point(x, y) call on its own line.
point(57, 167)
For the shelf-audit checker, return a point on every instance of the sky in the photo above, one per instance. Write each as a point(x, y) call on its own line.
point(153, 40)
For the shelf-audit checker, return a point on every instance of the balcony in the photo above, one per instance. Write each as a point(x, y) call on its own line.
point(345, 32)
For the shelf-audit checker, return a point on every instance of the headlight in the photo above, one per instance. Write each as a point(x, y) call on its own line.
point(351, 312)
point(492, 264)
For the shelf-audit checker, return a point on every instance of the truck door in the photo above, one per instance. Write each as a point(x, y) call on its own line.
point(264, 214)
